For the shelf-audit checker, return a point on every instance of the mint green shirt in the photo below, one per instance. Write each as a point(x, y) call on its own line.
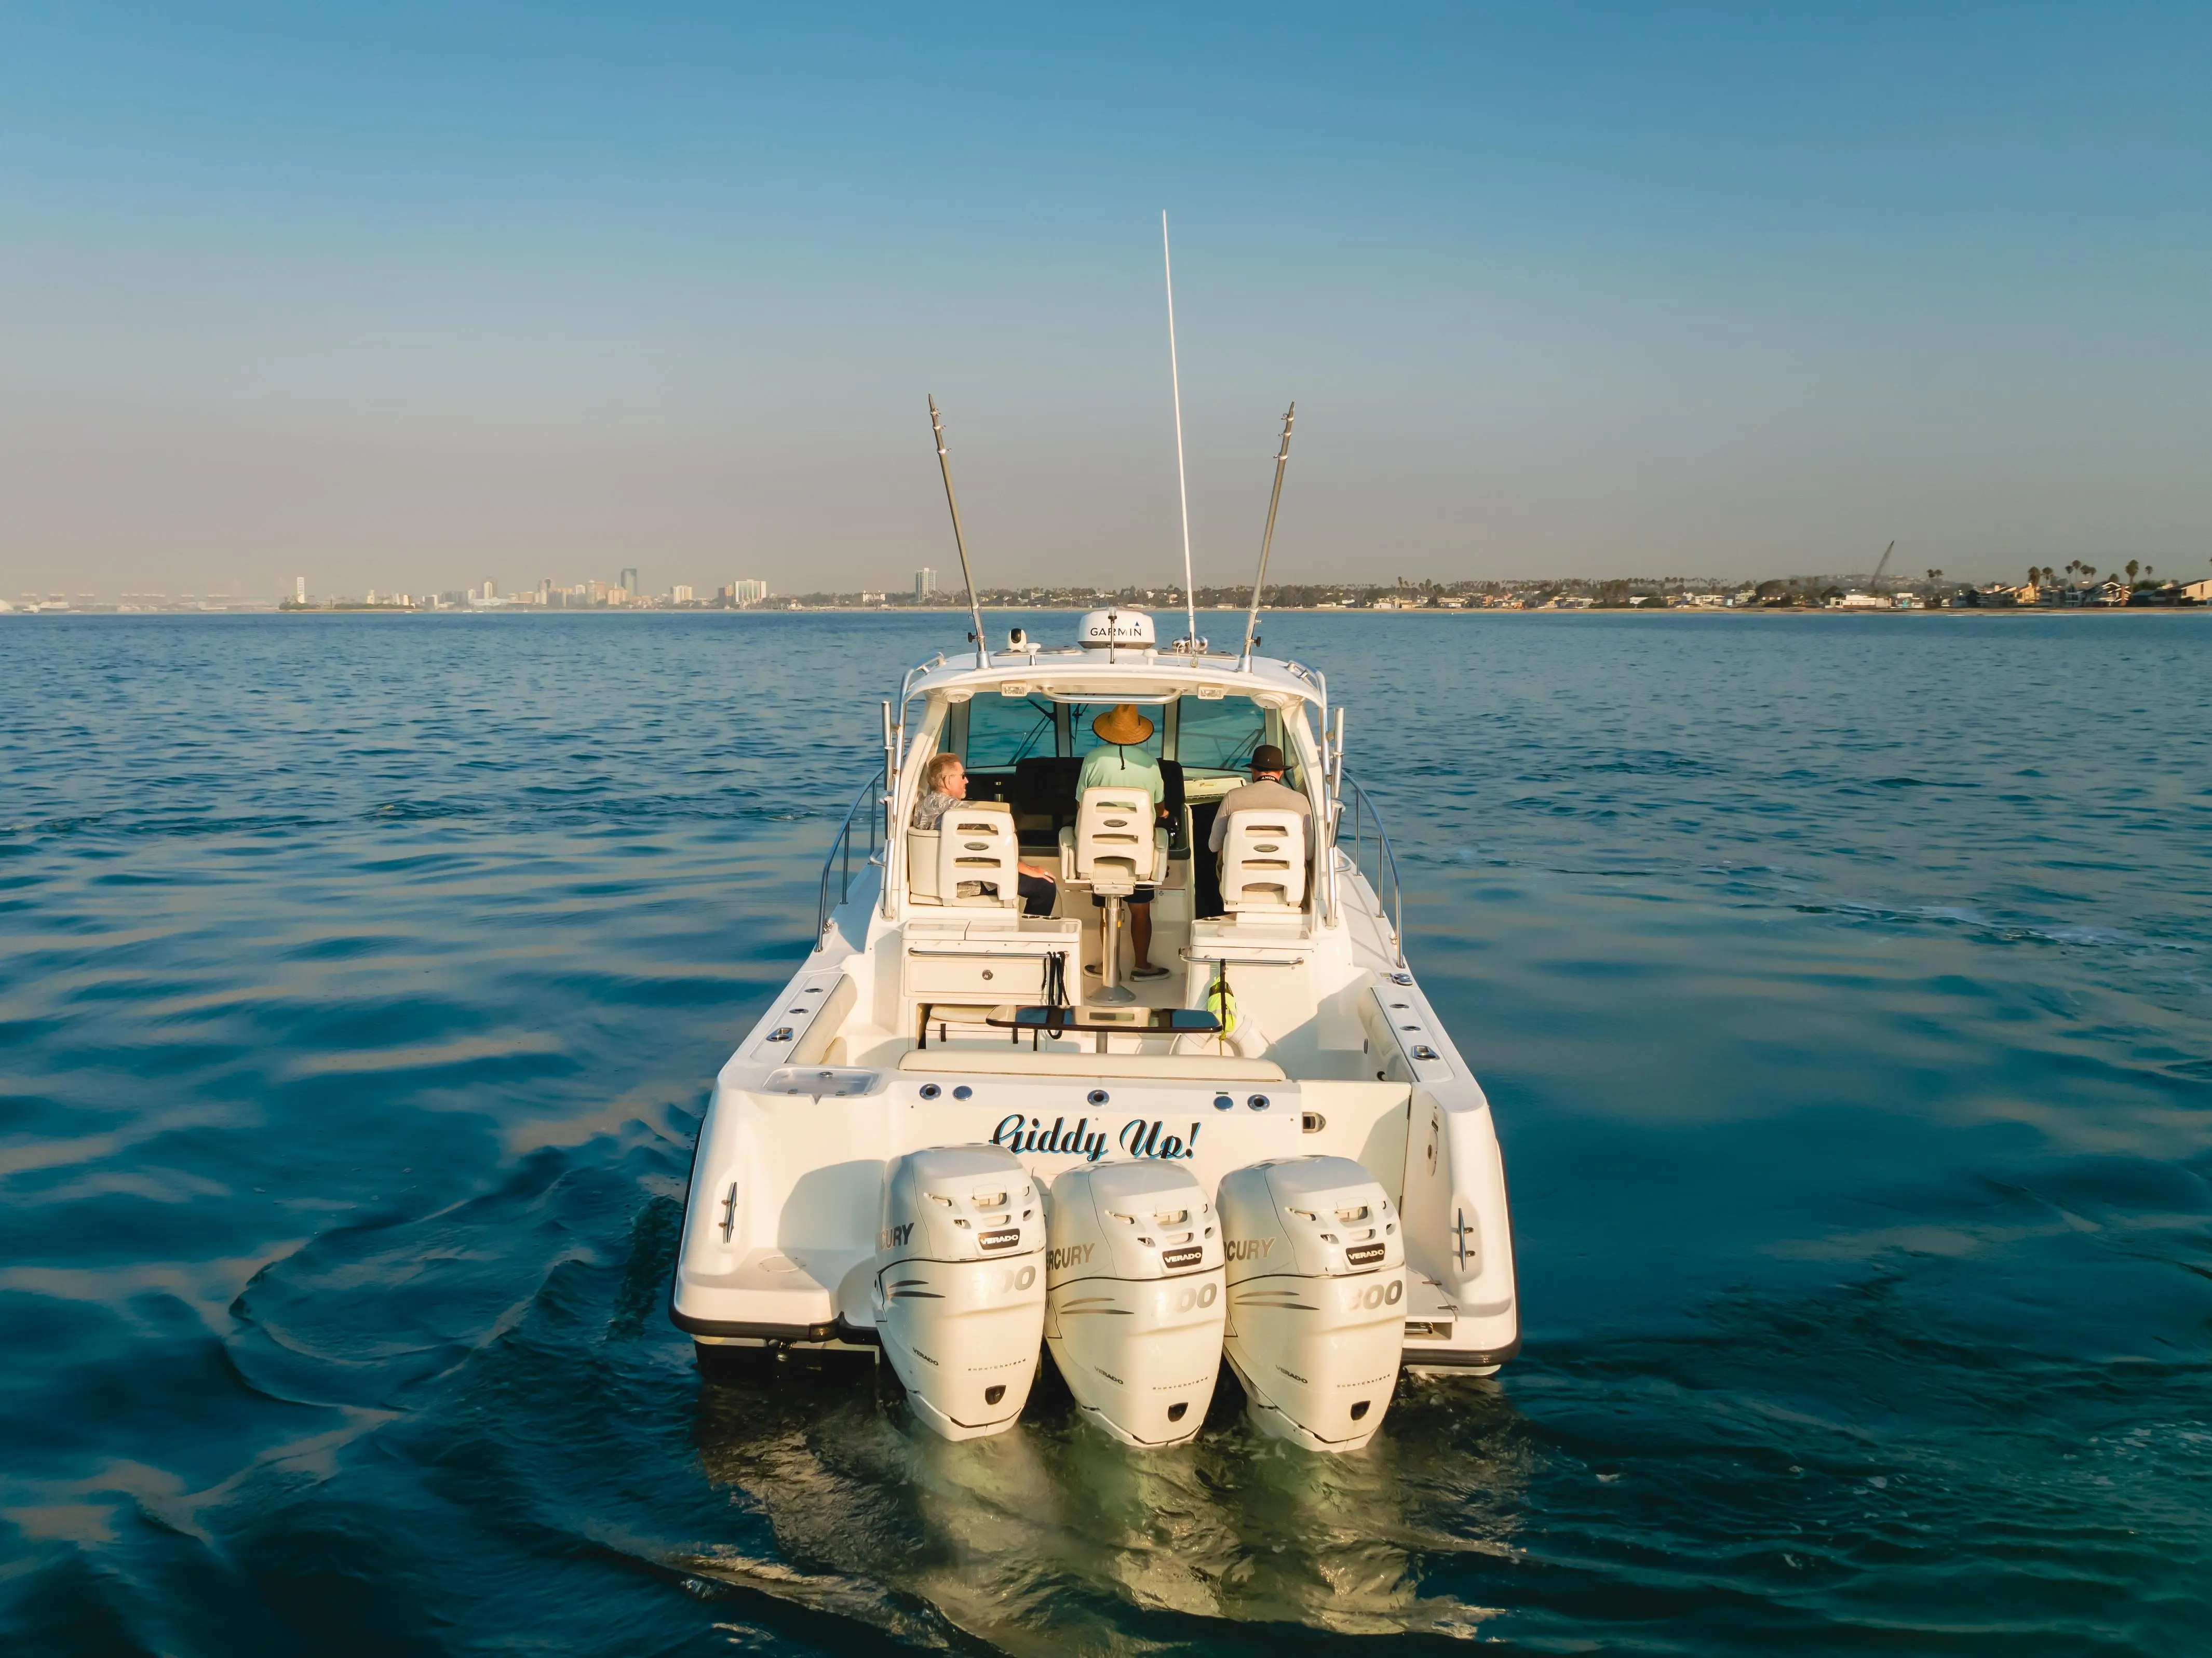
point(1111, 766)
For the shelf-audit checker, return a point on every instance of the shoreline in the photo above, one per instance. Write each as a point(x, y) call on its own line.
point(328, 612)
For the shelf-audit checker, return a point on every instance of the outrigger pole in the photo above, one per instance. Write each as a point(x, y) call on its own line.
point(1182, 486)
point(975, 604)
point(1282, 457)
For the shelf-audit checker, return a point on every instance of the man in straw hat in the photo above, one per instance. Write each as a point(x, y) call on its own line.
point(1120, 762)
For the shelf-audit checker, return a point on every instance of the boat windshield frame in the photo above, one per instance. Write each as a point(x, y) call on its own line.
point(1145, 675)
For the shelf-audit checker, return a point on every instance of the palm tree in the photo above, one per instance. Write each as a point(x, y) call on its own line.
point(2132, 567)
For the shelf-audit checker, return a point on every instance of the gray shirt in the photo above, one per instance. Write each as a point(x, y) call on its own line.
point(1264, 794)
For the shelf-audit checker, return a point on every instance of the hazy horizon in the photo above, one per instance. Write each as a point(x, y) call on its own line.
point(409, 300)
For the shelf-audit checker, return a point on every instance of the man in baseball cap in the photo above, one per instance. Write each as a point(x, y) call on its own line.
point(1267, 791)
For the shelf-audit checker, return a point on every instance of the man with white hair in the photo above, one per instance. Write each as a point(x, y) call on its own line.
point(945, 785)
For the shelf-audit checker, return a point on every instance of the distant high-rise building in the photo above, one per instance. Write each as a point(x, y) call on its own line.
point(299, 590)
point(629, 583)
point(925, 582)
point(751, 591)
point(680, 594)
point(490, 588)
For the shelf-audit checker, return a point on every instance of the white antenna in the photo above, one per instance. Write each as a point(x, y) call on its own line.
point(1182, 483)
point(974, 600)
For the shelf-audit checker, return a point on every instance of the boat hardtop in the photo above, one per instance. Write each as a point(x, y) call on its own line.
point(935, 1012)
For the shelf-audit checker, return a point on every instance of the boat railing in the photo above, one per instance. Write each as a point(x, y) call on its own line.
point(1366, 818)
point(916, 674)
point(840, 861)
point(1313, 676)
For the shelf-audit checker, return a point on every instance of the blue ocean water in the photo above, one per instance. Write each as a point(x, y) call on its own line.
point(1844, 985)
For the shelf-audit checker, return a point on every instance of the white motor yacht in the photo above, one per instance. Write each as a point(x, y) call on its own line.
point(934, 1015)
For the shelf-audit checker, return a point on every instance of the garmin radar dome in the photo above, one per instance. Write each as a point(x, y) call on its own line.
point(959, 1285)
point(1101, 630)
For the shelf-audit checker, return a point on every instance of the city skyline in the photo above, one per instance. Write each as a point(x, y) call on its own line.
point(2080, 583)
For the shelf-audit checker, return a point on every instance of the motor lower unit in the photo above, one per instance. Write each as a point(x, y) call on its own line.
point(1316, 1270)
point(1134, 1297)
point(959, 1285)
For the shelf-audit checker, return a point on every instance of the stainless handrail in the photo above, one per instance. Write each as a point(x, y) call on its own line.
point(1362, 808)
point(841, 847)
point(919, 672)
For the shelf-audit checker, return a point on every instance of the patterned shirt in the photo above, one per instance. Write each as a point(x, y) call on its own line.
point(929, 811)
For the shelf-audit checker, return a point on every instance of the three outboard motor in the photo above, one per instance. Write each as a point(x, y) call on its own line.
point(1134, 1297)
point(960, 1285)
point(1315, 1272)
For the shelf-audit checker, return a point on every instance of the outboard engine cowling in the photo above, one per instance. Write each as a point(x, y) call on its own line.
point(1134, 1299)
point(1316, 1283)
point(959, 1285)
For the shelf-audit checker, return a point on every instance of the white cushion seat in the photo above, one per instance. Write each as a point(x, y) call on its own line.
point(978, 856)
point(921, 866)
point(1116, 850)
point(1263, 863)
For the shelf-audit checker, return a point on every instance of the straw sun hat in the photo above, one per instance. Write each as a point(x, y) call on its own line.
point(1122, 724)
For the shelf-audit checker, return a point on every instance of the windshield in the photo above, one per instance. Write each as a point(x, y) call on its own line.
point(1216, 738)
point(1085, 739)
point(1002, 730)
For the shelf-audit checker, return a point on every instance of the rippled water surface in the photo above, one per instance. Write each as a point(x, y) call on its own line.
point(1841, 984)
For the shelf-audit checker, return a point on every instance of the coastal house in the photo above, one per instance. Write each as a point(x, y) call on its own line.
point(2196, 592)
point(2111, 591)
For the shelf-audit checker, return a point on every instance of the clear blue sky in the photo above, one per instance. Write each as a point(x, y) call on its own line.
point(408, 296)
